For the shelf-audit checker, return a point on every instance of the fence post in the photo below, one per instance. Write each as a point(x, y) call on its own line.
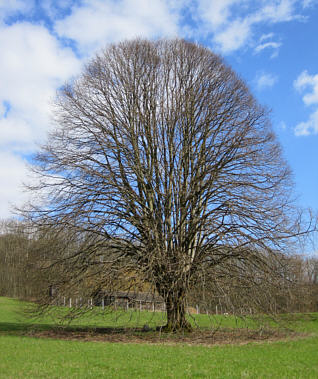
point(127, 305)
point(64, 301)
point(216, 309)
point(153, 306)
point(103, 304)
point(140, 306)
point(70, 302)
point(197, 309)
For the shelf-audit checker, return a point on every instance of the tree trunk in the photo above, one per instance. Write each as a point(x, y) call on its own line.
point(176, 312)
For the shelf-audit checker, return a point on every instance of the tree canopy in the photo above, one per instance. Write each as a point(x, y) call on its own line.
point(164, 163)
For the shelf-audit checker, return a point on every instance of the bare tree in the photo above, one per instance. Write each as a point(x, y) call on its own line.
point(166, 161)
point(13, 249)
point(18, 257)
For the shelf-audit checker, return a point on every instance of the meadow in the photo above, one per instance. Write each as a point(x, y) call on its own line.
point(32, 348)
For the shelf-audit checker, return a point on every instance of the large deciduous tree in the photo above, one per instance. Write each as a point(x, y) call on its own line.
point(161, 154)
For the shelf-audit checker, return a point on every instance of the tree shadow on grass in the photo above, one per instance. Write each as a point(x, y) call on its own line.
point(197, 337)
point(19, 328)
point(59, 329)
point(144, 335)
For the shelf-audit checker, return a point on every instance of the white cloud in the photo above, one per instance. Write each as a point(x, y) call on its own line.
point(2, 110)
point(308, 82)
point(32, 66)
point(98, 22)
point(233, 37)
point(265, 80)
point(53, 8)
point(308, 127)
point(9, 7)
point(304, 81)
point(217, 12)
point(215, 17)
point(12, 172)
point(18, 133)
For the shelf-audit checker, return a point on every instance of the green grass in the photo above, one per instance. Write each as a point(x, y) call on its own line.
point(12, 314)
point(23, 357)
point(27, 357)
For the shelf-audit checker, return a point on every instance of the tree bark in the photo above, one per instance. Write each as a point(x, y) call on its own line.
point(176, 312)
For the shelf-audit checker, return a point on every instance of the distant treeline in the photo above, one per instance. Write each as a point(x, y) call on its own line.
point(28, 270)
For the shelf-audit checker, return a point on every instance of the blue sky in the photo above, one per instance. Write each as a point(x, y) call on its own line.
point(272, 44)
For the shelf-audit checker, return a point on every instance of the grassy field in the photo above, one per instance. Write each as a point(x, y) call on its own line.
point(13, 315)
point(22, 356)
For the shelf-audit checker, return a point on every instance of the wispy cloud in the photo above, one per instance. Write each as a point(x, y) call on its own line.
point(233, 23)
point(309, 84)
point(282, 125)
point(265, 80)
point(265, 37)
point(268, 45)
point(309, 3)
